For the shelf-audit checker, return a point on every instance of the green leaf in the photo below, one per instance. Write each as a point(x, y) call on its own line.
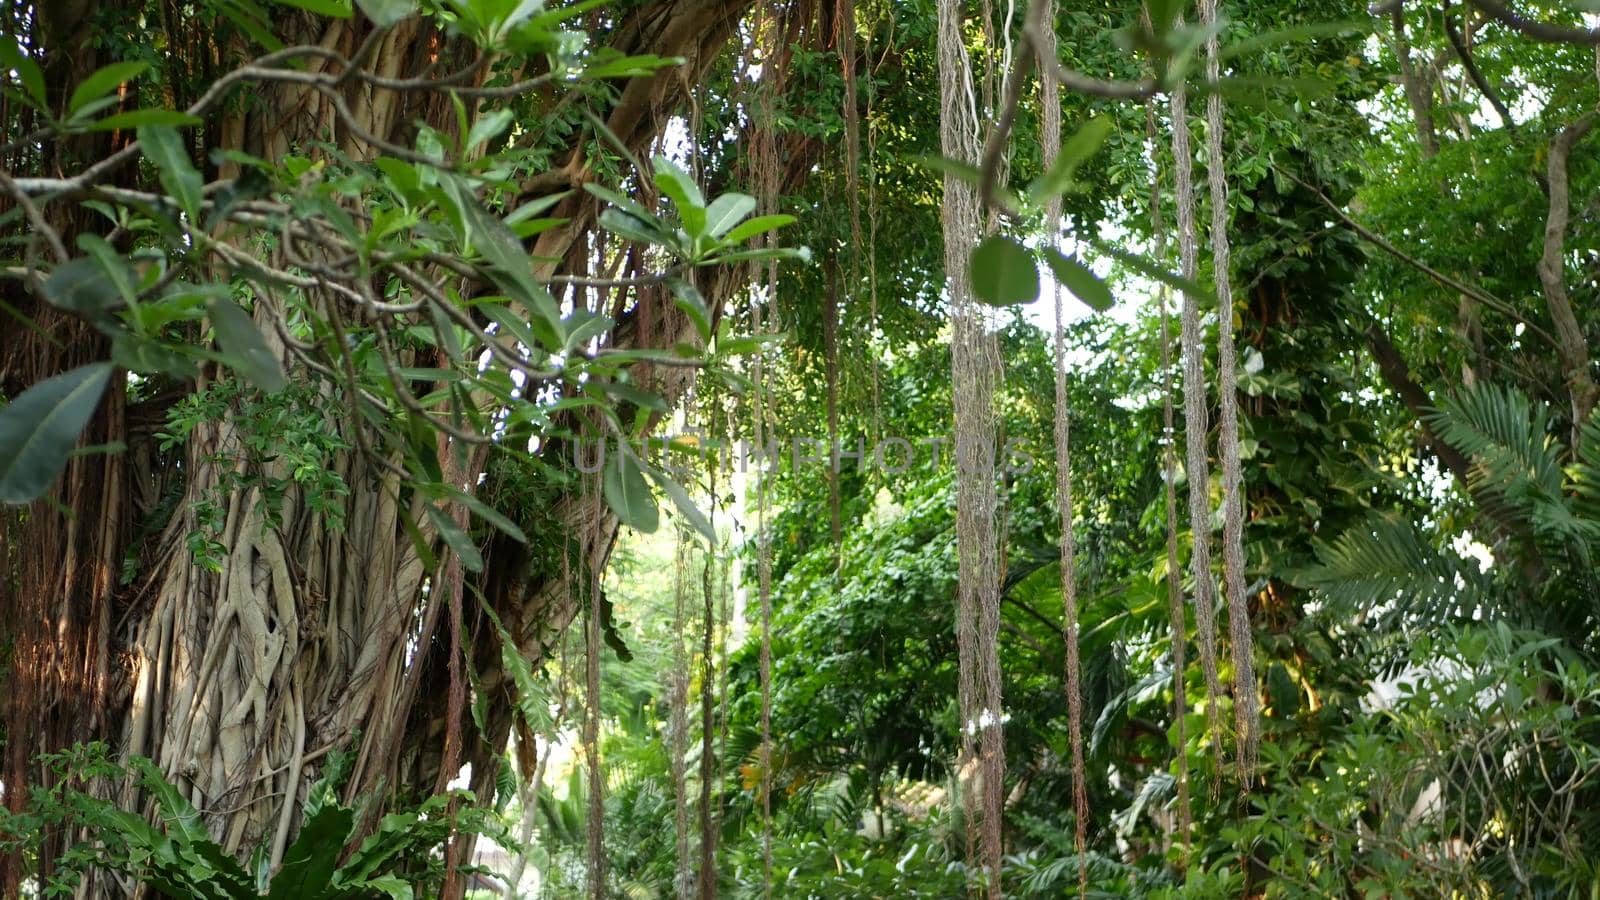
point(638, 397)
point(1079, 279)
point(103, 81)
point(532, 701)
point(243, 346)
point(1152, 271)
point(508, 260)
point(620, 201)
point(384, 13)
point(685, 505)
point(489, 126)
point(797, 254)
point(1003, 272)
point(959, 170)
point(687, 297)
point(12, 57)
point(81, 285)
point(39, 428)
point(685, 195)
point(487, 513)
point(512, 324)
point(166, 149)
point(148, 357)
point(88, 110)
point(627, 492)
point(631, 66)
point(456, 539)
point(139, 118)
point(113, 265)
point(391, 885)
point(418, 542)
point(309, 862)
point(631, 227)
point(588, 327)
point(1078, 148)
point(727, 211)
point(758, 225)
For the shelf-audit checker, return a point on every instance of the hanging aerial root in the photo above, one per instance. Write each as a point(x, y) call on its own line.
point(596, 857)
point(678, 697)
point(1245, 712)
point(708, 690)
point(1195, 424)
point(1169, 454)
point(766, 162)
point(1050, 136)
point(974, 370)
point(872, 240)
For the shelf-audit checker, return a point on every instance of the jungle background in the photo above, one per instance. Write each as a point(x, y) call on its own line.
point(314, 315)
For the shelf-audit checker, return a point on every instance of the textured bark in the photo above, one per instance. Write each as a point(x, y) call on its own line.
point(1574, 348)
point(1417, 83)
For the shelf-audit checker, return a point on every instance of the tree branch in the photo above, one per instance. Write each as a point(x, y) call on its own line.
point(1461, 287)
point(1539, 31)
point(1573, 348)
point(1464, 53)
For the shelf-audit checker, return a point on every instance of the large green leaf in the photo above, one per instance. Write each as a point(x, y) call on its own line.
point(81, 285)
point(39, 427)
point(456, 538)
point(165, 148)
point(758, 225)
point(509, 263)
point(1003, 272)
point(103, 81)
point(727, 211)
point(685, 504)
point(28, 71)
point(1074, 152)
point(243, 346)
point(309, 862)
point(196, 858)
point(392, 887)
point(1079, 279)
point(627, 491)
point(684, 193)
point(488, 513)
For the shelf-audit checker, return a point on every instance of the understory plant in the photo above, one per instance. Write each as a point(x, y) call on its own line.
point(330, 858)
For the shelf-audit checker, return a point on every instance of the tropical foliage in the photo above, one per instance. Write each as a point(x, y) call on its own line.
point(379, 381)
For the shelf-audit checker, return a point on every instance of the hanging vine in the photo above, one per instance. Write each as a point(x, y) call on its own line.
point(1050, 136)
point(1245, 712)
point(1169, 490)
point(708, 696)
point(974, 367)
point(1198, 467)
point(770, 33)
point(678, 700)
point(596, 858)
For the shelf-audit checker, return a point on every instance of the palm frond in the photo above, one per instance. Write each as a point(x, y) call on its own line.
point(1386, 568)
point(1507, 437)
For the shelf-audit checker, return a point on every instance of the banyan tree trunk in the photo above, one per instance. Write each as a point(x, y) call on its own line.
point(237, 673)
